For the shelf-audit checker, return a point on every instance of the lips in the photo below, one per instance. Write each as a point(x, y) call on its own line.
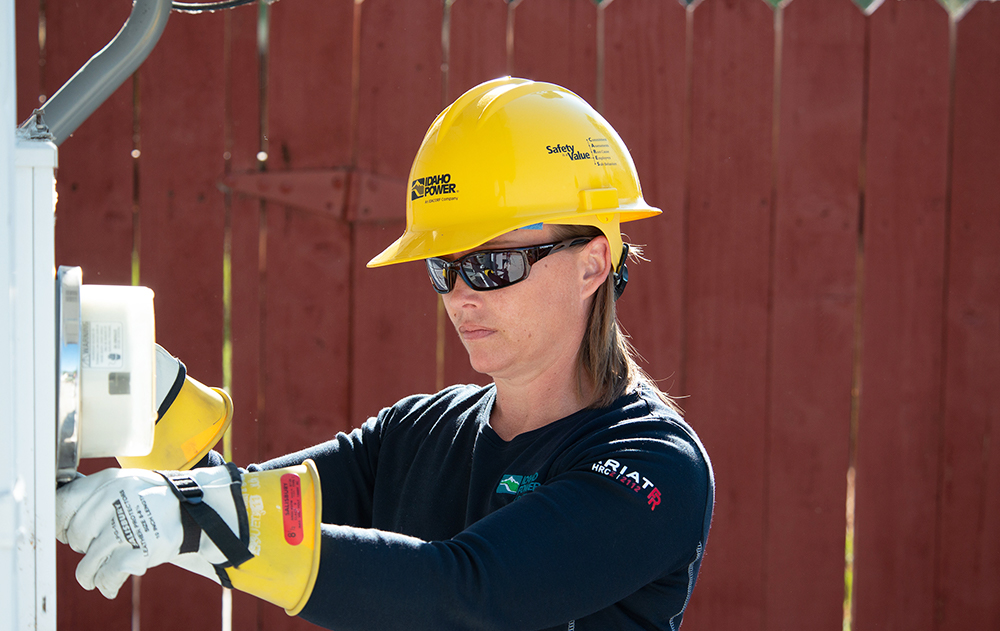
point(473, 332)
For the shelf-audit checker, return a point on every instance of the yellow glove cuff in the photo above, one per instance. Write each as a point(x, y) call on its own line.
point(190, 427)
point(284, 508)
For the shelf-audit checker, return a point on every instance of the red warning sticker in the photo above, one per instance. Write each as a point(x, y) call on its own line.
point(291, 508)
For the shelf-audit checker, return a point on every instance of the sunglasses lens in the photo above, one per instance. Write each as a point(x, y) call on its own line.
point(441, 276)
point(493, 270)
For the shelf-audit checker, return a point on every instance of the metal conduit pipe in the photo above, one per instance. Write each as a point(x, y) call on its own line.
point(101, 75)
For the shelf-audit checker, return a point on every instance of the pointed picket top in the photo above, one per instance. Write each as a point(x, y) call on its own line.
point(774, 4)
point(957, 8)
point(868, 6)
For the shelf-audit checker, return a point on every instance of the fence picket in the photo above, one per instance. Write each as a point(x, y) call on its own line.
point(812, 312)
point(644, 100)
point(726, 309)
point(182, 215)
point(897, 461)
point(394, 312)
point(967, 594)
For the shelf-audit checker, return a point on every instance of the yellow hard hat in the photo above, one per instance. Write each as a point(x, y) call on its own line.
point(513, 153)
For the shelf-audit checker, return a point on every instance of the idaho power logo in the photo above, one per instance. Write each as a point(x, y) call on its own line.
point(517, 485)
point(632, 479)
point(432, 186)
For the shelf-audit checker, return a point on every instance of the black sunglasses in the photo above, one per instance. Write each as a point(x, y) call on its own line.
point(487, 270)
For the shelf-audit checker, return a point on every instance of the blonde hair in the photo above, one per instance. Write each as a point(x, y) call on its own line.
point(607, 357)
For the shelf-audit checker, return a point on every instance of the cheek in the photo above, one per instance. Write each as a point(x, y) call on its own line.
point(544, 310)
point(449, 308)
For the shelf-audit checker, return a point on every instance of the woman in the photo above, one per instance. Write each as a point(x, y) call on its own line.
point(568, 494)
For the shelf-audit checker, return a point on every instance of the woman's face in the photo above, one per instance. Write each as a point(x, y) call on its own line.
point(535, 326)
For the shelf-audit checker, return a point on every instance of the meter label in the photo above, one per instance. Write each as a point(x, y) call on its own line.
point(102, 345)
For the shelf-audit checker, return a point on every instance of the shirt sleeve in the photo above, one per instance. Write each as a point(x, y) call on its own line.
point(621, 515)
point(346, 466)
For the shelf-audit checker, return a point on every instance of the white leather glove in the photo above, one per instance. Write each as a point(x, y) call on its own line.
point(128, 520)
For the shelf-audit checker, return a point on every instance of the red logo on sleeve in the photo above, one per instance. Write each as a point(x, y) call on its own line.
point(654, 498)
point(631, 478)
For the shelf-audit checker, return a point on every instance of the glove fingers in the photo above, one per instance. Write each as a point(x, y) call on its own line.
point(96, 555)
point(122, 563)
point(110, 583)
point(107, 565)
point(90, 518)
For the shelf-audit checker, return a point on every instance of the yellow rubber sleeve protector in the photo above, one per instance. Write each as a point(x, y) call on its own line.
point(190, 427)
point(284, 507)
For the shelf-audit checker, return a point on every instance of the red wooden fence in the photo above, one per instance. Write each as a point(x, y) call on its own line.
point(823, 286)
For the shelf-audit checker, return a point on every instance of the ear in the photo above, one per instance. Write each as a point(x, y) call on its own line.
point(595, 265)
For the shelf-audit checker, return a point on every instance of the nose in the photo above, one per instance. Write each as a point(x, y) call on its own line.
point(461, 296)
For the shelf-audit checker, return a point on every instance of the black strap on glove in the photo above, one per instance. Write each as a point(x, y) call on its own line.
point(196, 516)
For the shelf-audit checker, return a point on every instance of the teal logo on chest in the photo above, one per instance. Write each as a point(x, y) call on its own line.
point(511, 484)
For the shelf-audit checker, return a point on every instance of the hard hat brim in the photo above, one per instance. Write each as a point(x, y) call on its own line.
point(417, 244)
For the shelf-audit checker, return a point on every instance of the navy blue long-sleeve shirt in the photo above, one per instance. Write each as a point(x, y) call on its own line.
point(432, 521)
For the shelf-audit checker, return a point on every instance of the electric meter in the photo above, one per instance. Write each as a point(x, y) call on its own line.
point(106, 361)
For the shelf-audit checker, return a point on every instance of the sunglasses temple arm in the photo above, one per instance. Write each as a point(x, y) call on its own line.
point(621, 274)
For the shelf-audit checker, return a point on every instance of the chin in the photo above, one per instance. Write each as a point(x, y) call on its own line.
point(482, 367)
point(483, 363)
